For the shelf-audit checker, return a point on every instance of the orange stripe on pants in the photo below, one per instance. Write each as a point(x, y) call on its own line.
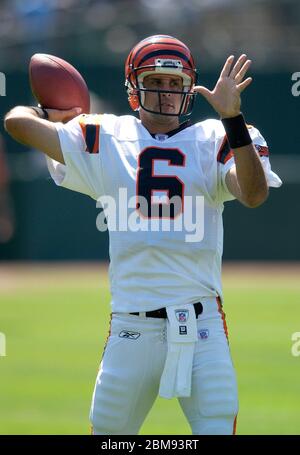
point(234, 425)
point(109, 333)
point(220, 310)
point(223, 316)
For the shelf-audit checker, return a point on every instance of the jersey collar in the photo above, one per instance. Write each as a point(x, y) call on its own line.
point(163, 136)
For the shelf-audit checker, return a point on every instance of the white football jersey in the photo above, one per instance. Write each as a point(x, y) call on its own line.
point(160, 253)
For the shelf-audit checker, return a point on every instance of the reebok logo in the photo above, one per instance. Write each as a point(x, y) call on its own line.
point(130, 335)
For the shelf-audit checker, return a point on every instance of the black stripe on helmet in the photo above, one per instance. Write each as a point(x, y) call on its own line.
point(167, 52)
point(133, 57)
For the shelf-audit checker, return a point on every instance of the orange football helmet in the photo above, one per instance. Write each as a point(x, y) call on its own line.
point(160, 54)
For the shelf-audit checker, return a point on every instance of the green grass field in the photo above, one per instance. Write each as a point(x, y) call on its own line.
point(55, 319)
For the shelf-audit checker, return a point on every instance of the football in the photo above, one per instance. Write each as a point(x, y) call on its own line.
point(56, 84)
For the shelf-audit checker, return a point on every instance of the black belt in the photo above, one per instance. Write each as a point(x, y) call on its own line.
point(162, 312)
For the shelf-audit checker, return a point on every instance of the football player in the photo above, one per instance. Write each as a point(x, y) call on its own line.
point(168, 332)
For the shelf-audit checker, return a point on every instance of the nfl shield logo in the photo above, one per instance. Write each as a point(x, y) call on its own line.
point(203, 334)
point(182, 315)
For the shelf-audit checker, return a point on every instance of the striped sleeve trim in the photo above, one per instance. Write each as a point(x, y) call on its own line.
point(262, 150)
point(225, 152)
point(90, 126)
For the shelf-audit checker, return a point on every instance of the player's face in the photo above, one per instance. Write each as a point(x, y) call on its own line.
point(170, 103)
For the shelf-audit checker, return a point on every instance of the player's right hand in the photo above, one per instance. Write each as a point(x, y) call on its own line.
point(56, 115)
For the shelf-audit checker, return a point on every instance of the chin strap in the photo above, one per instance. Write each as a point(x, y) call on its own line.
point(133, 100)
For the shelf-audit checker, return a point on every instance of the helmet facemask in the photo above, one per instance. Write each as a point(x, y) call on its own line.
point(171, 67)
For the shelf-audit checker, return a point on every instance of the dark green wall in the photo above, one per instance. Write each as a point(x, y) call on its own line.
point(53, 223)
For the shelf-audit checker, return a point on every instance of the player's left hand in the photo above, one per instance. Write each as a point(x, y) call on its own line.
point(225, 98)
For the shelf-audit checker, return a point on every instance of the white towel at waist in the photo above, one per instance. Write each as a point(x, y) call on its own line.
point(181, 336)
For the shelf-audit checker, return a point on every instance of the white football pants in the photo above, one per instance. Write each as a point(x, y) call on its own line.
point(128, 380)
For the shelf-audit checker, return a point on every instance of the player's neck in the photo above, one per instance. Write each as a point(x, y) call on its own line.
point(156, 124)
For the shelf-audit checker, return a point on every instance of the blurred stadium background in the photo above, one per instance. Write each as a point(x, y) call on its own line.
point(46, 309)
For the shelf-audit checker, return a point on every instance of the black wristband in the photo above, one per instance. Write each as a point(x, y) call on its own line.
point(236, 131)
point(41, 112)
